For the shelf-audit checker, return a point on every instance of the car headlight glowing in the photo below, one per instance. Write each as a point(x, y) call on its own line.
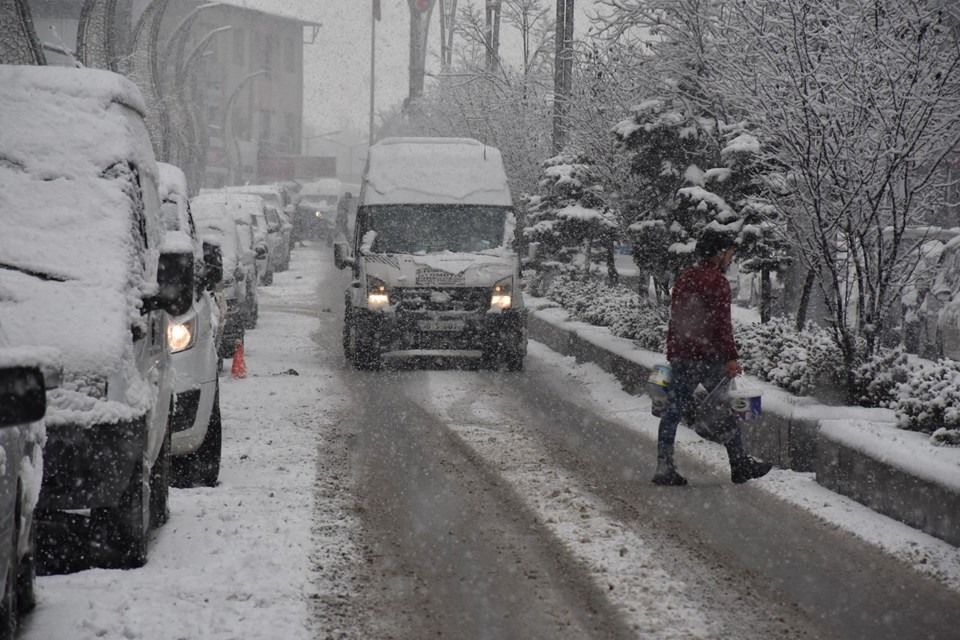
point(502, 296)
point(180, 335)
point(377, 294)
point(319, 214)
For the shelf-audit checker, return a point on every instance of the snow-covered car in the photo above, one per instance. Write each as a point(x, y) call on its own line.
point(213, 217)
point(265, 261)
point(193, 337)
point(22, 406)
point(318, 208)
point(433, 257)
point(275, 201)
point(83, 272)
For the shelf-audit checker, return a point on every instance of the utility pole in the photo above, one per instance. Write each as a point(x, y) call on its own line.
point(374, 18)
point(420, 12)
point(492, 35)
point(562, 72)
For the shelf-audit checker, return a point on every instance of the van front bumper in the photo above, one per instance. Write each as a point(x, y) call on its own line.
point(474, 332)
point(86, 467)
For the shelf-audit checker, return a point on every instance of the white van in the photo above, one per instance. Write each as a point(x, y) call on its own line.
point(85, 272)
point(433, 258)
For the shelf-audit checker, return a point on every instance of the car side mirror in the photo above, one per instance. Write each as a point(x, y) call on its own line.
point(341, 255)
point(22, 395)
point(260, 251)
point(212, 265)
point(175, 277)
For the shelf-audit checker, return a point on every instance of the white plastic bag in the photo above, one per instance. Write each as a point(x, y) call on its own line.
point(714, 420)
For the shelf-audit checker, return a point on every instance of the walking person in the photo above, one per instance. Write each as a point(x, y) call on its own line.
point(701, 350)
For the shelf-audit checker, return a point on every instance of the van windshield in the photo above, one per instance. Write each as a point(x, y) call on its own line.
point(421, 228)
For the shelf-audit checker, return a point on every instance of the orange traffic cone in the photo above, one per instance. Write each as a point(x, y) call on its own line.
point(239, 368)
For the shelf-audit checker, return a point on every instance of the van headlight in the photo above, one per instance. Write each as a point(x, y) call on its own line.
point(502, 296)
point(180, 335)
point(378, 296)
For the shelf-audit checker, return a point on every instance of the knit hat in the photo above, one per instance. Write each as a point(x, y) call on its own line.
point(714, 241)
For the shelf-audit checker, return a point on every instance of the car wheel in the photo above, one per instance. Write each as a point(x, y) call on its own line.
point(160, 485)
point(119, 534)
point(364, 349)
point(9, 609)
point(268, 278)
point(202, 467)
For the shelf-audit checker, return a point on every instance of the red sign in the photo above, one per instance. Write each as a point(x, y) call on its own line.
point(423, 5)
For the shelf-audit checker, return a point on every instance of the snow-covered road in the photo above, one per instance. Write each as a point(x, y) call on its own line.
point(429, 501)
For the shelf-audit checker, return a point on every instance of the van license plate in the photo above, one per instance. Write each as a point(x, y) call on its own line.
point(440, 325)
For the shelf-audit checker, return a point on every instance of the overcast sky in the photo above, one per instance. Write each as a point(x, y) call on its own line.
point(337, 65)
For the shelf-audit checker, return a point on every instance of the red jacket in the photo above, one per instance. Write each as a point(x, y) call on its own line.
point(700, 327)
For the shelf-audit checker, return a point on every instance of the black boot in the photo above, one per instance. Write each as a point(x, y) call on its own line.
point(748, 468)
point(668, 476)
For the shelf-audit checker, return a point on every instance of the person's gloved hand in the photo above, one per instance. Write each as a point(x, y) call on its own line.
point(732, 369)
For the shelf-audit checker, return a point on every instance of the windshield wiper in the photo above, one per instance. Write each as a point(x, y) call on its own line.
point(46, 277)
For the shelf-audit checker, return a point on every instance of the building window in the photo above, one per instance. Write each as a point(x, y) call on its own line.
point(270, 47)
point(266, 125)
point(239, 46)
point(290, 133)
point(289, 56)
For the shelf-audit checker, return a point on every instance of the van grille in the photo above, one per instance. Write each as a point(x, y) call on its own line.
point(458, 299)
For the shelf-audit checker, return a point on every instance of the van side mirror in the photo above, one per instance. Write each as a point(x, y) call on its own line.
point(341, 255)
point(175, 277)
point(22, 395)
point(212, 265)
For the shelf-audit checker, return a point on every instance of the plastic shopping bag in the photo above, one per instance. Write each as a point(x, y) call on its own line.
point(714, 420)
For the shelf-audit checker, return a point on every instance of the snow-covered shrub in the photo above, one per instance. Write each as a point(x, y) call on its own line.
point(803, 363)
point(619, 308)
point(876, 380)
point(929, 401)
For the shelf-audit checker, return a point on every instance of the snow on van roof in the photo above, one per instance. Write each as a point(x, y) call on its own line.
point(435, 171)
point(321, 187)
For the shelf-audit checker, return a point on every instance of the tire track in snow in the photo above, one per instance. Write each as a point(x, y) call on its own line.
point(619, 563)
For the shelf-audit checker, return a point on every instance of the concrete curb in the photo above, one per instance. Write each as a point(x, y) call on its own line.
point(791, 440)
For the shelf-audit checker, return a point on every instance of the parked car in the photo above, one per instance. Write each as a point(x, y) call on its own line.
point(22, 407)
point(262, 235)
point(84, 272)
point(213, 217)
point(276, 200)
point(193, 338)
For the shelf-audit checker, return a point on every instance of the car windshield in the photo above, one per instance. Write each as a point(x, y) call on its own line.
point(435, 228)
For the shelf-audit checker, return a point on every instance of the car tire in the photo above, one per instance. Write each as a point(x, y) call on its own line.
point(508, 355)
point(9, 608)
point(363, 349)
point(160, 485)
point(202, 467)
point(27, 575)
point(267, 278)
point(119, 533)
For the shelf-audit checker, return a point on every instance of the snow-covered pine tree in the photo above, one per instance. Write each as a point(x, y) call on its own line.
point(569, 218)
